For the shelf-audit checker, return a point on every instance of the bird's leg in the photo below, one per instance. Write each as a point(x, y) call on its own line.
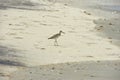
point(56, 43)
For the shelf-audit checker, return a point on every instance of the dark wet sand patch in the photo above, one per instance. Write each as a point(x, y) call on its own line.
point(18, 37)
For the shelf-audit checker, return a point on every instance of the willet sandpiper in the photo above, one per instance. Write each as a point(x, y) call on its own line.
point(55, 37)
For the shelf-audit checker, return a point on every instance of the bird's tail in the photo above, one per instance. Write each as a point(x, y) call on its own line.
point(49, 38)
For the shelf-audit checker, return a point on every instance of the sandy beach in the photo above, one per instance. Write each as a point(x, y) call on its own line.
point(91, 41)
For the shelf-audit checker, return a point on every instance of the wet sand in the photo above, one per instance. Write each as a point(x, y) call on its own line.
point(90, 70)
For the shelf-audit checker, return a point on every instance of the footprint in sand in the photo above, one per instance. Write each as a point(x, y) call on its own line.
point(12, 33)
point(37, 47)
point(100, 28)
point(40, 48)
point(108, 48)
point(18, 25)
point(72, 31)
point(17, 28)
point(91, 43)
point(5, 15)
point(110, 23)
point(2, 39)
point(87, 13)
point(10, 24)
point(90, 56)
point(18, 37)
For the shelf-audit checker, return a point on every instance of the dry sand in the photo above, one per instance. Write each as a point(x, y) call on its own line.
point(89, 37)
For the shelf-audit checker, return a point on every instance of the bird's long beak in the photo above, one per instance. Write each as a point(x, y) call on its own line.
point(63, 32)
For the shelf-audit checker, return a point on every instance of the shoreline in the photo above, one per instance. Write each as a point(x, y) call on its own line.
point(91, 70)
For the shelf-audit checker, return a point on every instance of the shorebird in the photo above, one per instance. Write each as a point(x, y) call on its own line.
point(55, 37)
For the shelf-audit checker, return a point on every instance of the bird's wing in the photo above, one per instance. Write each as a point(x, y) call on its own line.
point(54, 36)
